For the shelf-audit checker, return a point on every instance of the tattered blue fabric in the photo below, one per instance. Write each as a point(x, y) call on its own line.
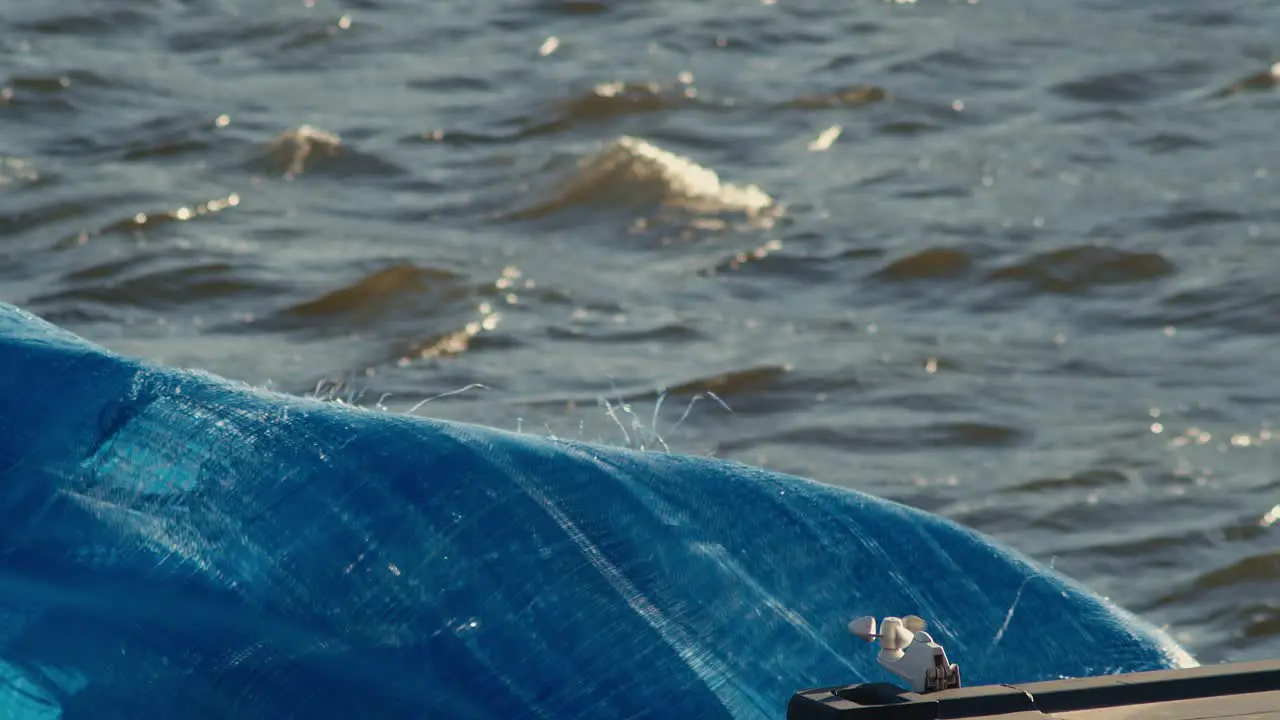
point(176, 545)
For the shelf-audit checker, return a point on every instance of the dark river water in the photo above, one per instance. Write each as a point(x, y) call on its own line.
point(1011, 261)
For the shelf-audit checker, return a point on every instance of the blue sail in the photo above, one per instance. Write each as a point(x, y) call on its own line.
point(173, 544)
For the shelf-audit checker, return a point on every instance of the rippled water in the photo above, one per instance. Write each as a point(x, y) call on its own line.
point(1007, 260)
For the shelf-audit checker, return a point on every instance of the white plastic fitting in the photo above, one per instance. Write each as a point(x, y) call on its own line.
point(909, 652)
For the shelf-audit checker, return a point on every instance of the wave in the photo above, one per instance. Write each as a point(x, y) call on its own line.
point(173, 544)
point(631, 172)
point(306, 149)
point(1082, 267)
point(1264, 80)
